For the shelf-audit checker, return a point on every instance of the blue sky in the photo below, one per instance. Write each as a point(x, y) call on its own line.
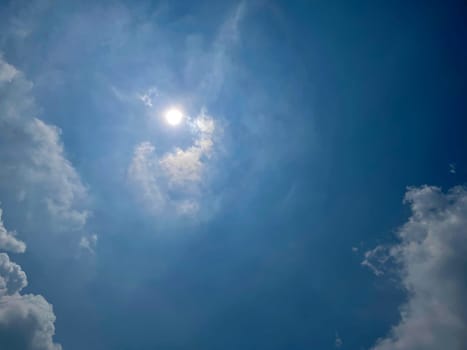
point(312, 196)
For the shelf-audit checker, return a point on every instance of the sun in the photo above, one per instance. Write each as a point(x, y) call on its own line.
point(173, 116)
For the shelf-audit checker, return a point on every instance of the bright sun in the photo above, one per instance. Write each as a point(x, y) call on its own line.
point(173, 116)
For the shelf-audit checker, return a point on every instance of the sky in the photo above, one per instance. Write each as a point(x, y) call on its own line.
point(233, 175)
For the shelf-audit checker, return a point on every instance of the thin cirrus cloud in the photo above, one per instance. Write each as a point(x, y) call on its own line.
point(430, 262)
point(89, 243)
point(219, 58)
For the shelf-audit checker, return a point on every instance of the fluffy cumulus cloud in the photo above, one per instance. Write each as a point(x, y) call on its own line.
point(27, 323)
point(26, 320)
point(430, 261)
point(8, 240)
point(36, 177)
point(12, 277)
point(172, 182)
point(35, 170)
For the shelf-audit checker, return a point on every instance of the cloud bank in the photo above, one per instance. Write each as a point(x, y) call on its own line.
point(35, 171)
point(26, 320)
point(37, 180)
point(431, 264)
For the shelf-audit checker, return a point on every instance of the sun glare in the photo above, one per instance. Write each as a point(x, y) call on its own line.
point(173, 116)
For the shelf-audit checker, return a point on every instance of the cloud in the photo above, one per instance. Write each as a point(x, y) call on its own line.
point(26, 321)
point(184, 168)
point(8, 240)
point(375, 259)
point(89, 243)
point(143, 174)
point(338, 342)
point(452, 168)
point(220, 60)
point(12, 277)
point(430, 261)
point(38, 179)
point(148, 96)
point(35, 170)
point(7, 71)
point(172, 182)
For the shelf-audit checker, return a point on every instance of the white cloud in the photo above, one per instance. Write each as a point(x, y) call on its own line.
point(220, 60)
point(452, 168)
point(26, 321)
point(12, 277)
point(338, 341)
point(8, 240)
point(148, 96)
point(375, 259)
point(35, 170)
point(89, 243)
point(143, 174)
point(431, 263)
point(182, 167)
point(172, 182)
point(37, 179)
point(7, 71)
point(204, 125)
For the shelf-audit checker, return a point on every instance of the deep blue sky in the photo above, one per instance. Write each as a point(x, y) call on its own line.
point(325, 112)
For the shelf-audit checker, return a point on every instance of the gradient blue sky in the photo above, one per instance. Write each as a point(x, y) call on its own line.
point(264, 219)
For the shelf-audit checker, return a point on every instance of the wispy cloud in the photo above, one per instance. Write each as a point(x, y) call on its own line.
point(338, 341)
point(7, 71)
point(89, 243)
point(147, 96)
point(220, 59)
point(452, 168)
point(376, 259)
point(172, 181)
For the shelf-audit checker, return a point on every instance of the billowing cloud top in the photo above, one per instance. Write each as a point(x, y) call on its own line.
point(8, 240)
point(431, 263)
point(12, 278)
point(26, 321)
